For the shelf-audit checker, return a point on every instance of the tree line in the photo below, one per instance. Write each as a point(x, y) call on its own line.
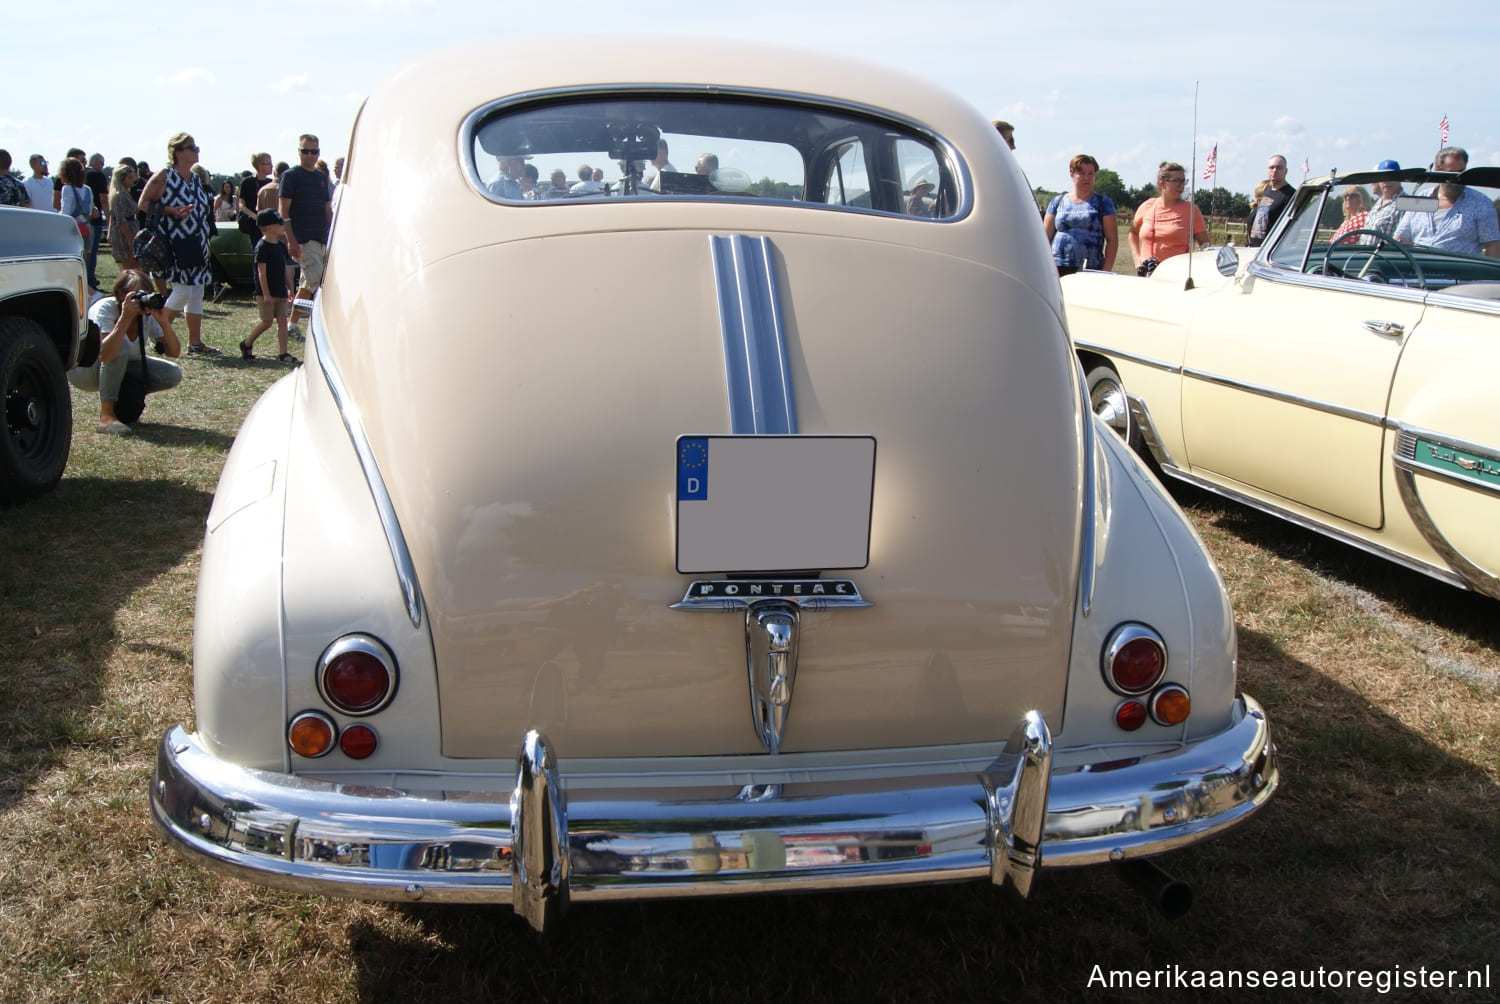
point(1215, 202)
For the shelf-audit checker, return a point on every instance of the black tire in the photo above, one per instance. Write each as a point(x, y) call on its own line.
point(38, 429)
point(1107, 399)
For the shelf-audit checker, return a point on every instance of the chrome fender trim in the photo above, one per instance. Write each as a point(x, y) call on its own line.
point(1408, 466)
point(710, 833)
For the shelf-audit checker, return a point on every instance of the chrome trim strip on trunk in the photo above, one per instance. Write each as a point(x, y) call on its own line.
point(827, 831)
point(406, 569)
point(761, 401)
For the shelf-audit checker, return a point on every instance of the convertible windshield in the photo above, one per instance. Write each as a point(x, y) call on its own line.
point(1425, 234)
point(711, 148)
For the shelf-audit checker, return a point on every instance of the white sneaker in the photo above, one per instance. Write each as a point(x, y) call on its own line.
point(115, 428)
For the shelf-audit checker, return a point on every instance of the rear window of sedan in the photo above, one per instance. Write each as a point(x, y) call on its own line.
point(587, 148)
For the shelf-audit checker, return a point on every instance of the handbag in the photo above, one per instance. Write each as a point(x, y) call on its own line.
point(132, 398)
point(150, 247)
point(83, 230)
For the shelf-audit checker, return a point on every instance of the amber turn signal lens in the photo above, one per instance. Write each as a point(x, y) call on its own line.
point(311, 734)
point(1130, 715)
point(1171, 705)
point(358, 741)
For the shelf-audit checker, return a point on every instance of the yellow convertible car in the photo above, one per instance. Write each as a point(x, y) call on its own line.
point(1338, 376)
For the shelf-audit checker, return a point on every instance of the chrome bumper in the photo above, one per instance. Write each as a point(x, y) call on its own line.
point(551, 839)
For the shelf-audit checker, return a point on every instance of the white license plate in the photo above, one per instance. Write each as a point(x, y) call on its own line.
point(773, 503)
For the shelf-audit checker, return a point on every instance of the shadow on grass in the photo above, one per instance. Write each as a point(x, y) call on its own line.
point(68, 562)
point(1412, 592)
point(1377, 852)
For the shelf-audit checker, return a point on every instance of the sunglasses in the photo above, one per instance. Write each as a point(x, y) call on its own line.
point(180, 149)
point(314, 151)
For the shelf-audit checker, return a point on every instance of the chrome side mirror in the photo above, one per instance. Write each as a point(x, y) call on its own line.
point(1227, 262)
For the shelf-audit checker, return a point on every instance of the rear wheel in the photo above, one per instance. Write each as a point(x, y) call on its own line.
point(1107, 399)
point(38, 411)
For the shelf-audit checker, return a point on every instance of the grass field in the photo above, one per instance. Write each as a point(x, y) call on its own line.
point(1382, 687)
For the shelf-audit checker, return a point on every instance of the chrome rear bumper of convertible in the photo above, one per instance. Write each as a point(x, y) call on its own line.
point(551, 839)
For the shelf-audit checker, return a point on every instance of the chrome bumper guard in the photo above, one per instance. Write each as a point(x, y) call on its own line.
point(550, 840)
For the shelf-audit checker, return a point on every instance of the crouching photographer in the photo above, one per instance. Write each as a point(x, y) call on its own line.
point(120, 370)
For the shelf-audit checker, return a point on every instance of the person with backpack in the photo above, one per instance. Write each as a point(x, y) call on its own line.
point(1081, 225)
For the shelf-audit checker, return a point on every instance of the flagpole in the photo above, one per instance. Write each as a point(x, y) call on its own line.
point(1192, 189)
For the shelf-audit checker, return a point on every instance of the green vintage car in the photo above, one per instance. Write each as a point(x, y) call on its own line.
point(230, 256)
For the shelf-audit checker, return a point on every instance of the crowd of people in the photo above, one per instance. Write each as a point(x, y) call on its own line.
point(286, 212)
point(1081, 224)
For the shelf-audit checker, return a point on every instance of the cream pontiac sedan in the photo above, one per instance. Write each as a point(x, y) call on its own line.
point(733, 523)
point(1338, 377)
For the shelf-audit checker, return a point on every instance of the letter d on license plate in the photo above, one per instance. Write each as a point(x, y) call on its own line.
point(773, 503)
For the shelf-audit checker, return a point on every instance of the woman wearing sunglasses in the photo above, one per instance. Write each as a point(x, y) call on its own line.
point(186, 221)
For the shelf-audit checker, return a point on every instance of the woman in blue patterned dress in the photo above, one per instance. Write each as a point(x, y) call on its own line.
point(186, 222)
point(1081, 226)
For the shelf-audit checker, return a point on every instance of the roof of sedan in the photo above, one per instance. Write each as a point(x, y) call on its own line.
point(450, 83)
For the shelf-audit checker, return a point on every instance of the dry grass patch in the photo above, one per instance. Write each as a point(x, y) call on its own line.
point(1379, 850)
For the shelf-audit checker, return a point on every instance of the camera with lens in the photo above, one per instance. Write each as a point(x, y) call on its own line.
point(148, 299)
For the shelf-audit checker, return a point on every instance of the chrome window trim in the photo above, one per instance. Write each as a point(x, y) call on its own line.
point(960, 168)
point(1457, 301)
point(1274, 273)
point(406, 569)
point(1259, 390)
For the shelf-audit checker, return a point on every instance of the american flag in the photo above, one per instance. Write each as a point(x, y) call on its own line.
point(1212, 163)
point(1443, 129)
point(1306, 167)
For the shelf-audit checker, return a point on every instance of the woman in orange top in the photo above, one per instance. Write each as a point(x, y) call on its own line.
point(1160, 227)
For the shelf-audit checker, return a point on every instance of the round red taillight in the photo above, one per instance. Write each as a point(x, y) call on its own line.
point(358, 741)
point(357, 675)
point(311, 734)
point(1130, 715)
point(1134, 659)
point(1171, 705)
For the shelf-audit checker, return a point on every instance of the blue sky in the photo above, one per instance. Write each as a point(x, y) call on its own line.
point(1341, 86)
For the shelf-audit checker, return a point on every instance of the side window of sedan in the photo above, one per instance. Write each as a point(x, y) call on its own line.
point(849, 178)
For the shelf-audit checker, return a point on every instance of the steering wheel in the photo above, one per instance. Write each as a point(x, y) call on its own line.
point(1382, 241)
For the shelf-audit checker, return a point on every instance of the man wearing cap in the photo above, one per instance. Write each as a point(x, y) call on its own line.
point(1465, 221)
point(1383, 216)
point(305, 207)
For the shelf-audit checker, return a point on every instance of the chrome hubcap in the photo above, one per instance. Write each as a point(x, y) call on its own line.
point(1108, 400)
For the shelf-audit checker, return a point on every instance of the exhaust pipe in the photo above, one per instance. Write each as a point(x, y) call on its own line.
point(1172, 897)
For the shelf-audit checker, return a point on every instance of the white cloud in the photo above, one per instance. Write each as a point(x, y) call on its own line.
point(193, 76)
point(294, 83)
point(1288, 126)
